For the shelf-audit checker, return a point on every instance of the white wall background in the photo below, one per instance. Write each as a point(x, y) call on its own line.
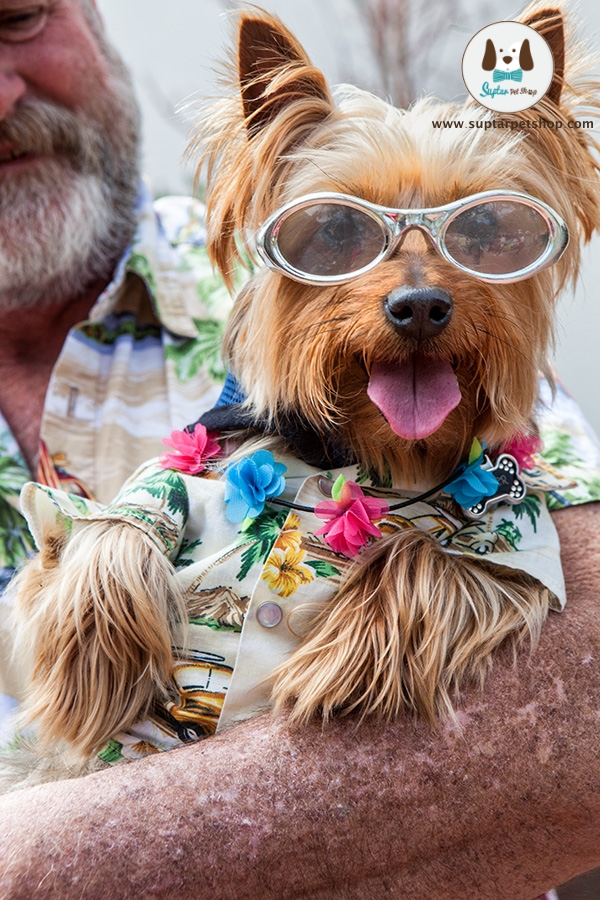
point(174, 48)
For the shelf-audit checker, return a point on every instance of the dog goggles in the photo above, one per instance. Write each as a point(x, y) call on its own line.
point(329, 238)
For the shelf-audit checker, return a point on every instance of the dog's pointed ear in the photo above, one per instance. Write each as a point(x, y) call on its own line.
point(548, 22)
point(274, 70)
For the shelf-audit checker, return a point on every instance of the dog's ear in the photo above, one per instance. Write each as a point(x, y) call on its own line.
point(489, 57)
point(274, 70)
point(525, 57)
point(548, 22)
point(246, 141)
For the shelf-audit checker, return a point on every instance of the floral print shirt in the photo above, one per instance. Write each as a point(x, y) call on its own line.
point(147, 361)
point(245, 582)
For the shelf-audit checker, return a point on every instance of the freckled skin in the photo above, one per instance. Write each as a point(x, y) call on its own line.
point(505, 809)
point(62, 63)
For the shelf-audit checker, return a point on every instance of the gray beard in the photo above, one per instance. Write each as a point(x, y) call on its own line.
point(65, 223)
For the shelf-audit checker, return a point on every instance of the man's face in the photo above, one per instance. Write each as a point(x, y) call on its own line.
point(68, 152)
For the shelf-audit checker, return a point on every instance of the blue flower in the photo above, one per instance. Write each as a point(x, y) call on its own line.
point(250, 483)
point(472, 483)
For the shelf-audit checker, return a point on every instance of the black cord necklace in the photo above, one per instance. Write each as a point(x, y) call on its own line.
point(434, 490)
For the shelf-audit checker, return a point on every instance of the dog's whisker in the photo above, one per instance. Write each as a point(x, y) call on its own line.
point(514, 322)
point(315, 326)
point(508, 344)
point(322, 331)
point(331, 179)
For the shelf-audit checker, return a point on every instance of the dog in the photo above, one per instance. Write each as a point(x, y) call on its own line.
point(512, 57)
point(347, 530)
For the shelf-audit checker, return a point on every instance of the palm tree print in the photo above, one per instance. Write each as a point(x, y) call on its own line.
point(15, 540)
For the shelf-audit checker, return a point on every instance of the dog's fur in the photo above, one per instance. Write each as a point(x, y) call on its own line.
point(411, 622)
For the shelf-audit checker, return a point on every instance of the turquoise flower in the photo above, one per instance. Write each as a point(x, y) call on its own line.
point(250, 483)
point(472, 482)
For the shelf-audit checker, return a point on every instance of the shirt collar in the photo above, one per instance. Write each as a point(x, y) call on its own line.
point(156, 259)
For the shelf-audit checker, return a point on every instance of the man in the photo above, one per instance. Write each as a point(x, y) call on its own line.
point(260, 811)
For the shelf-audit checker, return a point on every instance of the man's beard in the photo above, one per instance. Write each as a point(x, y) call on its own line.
point(65, 221)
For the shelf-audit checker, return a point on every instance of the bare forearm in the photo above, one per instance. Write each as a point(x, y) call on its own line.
point(506, 807)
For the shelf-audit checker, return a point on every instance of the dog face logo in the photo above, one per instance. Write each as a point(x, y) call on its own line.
point(507, 67)
point(508, 62)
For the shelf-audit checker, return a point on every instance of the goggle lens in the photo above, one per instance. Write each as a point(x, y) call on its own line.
point(330, 239)
point(497, 237)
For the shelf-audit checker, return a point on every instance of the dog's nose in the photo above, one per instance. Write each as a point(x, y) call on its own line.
point(507, 59)
point(419, 313)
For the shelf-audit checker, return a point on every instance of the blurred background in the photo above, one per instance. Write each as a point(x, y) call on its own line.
point(400, 49)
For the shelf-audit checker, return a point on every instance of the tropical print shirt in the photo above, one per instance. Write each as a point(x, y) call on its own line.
point(246, 584)
point(147, 361)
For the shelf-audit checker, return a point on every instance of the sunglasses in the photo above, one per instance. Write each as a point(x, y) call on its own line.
point(329, 238)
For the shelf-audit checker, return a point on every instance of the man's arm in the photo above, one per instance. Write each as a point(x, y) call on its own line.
point(504, 808)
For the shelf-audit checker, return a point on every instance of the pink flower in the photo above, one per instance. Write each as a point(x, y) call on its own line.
point(192, 450)
point(522, 447)
point(350, 519)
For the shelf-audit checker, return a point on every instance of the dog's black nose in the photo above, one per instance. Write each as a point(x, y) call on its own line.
point(507, 59)
point(419, 313)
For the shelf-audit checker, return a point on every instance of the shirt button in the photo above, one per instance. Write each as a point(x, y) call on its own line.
point(325, 485)
point(269, 615)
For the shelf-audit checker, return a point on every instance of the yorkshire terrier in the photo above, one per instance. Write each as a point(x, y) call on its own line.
point(339, 533)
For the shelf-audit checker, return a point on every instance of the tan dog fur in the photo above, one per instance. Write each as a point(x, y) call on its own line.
point(411, 623)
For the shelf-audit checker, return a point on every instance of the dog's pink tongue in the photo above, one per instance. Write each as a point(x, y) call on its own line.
point(415, 396)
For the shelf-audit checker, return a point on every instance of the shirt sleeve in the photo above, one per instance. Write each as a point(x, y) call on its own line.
point(154, 500)
point(571, 448)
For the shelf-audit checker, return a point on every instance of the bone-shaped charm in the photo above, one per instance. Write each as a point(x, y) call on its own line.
point(511, 488)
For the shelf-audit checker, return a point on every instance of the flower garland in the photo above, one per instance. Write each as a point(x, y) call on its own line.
point(350, 515)
point(472, 482)
point(192, 450)
point(523, 448)
point(250, 482)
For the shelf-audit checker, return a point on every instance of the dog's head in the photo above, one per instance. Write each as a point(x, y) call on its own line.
point(415, 356)
point(507, 55)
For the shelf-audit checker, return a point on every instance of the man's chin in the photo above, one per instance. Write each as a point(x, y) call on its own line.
point(53, 228)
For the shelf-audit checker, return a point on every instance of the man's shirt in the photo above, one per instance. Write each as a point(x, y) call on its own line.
point(145, 362)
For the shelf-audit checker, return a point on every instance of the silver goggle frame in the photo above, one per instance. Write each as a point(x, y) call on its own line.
point(395, 223)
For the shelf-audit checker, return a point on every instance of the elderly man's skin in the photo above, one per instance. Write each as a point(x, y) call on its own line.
point(47, 50)
point(504, 806)
point(503, 809)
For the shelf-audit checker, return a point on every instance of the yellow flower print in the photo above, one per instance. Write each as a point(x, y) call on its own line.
point(290, 537)
point(284, 572)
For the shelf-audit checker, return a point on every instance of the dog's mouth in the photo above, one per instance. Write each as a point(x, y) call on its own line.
point(416, 395)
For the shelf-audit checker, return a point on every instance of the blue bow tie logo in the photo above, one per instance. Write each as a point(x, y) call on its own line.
point(517, 75)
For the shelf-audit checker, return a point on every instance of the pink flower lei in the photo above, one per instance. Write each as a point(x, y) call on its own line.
point(192, 450)
point(350, 516)
point(524, 447)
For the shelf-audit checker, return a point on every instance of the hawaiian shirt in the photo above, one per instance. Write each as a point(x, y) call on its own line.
point(248, 586)
point(147, 361)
